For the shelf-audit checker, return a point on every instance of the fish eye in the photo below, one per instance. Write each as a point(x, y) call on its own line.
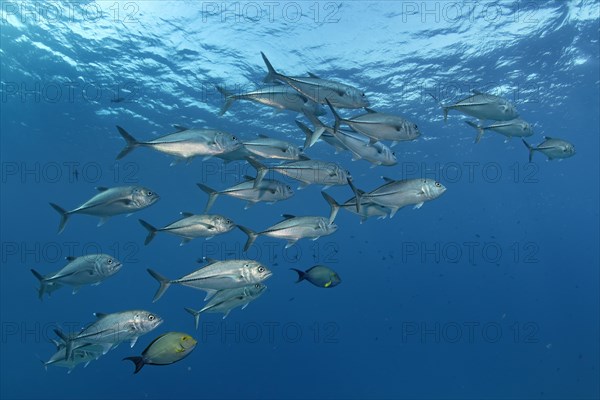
point(257, 286)
point(149, 193)
point(416, 127)
point(246, 265)
point(110, 261)
point(261, 269)
point(151, 317)
point(233, 138)
point(362, 94)
point(394, 153)
point(438, 184)
point(289, 187)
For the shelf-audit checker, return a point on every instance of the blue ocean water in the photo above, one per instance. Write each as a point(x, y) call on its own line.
point(490, 291)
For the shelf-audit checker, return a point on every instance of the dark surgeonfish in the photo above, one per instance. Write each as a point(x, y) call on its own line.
point(515, 127)
point(185, 143)
point(192, 226)
point(320, 276)
point(268, 191)
point(317, 89)
point(91, 269)
point(110, 202)
point(397, 194)
point(215, 276)
point(111, 329)
point(483, 106)
point(227, 299)
point(552, 148)
point(278, 96)
point(166, 349)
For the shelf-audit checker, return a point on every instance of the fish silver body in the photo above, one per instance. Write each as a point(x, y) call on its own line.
point(367, 210)
point(91, 269)
point(217, 275)
point(397, 194)
point(484, 107)
point(292, 229)
point(317, 89)
point(276, 149)
point(112, 329)
point(267, 190)
point(278, 96)
point(306, 171)
point(192, 226)
point(185, 143)
point(552, 148)
point(227, 299)
point(110, 202)
point(514, 127)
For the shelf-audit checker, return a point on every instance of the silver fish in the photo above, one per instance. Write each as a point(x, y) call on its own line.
point(85, 354)
point(292, 229)
point(306, 171)
point(317, 89)
point(90, 269)
point(325, 136)
point(367, 210)
point(110, 202)
point(552, 148)
point(185, 143)
point(360, 146)
point(397, 194)
point(226, 300)
point(281, 97)
point(514, 127)
point(215, 276)
point(484, 107)
point(192, 226)
point(270, 148)
point(111, 329)
point(267, 190)
point(379, 126)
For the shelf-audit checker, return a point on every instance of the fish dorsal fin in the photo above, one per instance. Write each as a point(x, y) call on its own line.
point(310, 74)
point(288, 216)
point(263, 136)
point(385, 178)
point(101, 188)
point(370, 110)
point(475, 91)
point(207, 260)
point(248, 178)
point(548, 138)
point(70, 258)
point(100, 315)
point(186, 214)
point(181, 128)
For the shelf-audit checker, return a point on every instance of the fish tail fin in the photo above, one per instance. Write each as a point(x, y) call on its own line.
point(307, 132)
point(138, 361)
point(530, 148)
point(357, 193)
point(337, 117)
point(130, 143)
point(261, 170)
point(271, 74)
point(196, 315)
point(68, 343)
point(43, 284)
point(151, 231)
point(301, 274)
point(212, 196)
point(444, 108)
point(335, 207)
point(251, 236)
point(64, 217)
point(313, 137)
point(229, 99)
point(479, 129)
point(164, 284)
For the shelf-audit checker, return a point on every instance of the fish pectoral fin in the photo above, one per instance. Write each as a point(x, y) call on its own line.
point(327, 284)
point(290, 243)
point(76, 289)
point(103, 221)
point(210, 293)
point(184, 241)
point(133, 341)
point(245, 305)
point(418, 205)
